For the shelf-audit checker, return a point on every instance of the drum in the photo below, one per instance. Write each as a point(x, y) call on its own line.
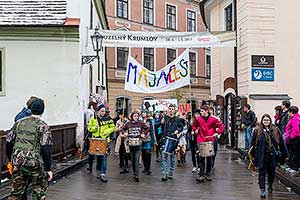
point(206, 149)
point(169, 146)
point(134, 142)
point(98, 146)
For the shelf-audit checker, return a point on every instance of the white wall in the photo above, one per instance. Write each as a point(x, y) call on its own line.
point(221, 58)
point(287, 61)
point(87, 49)
point(47, 69)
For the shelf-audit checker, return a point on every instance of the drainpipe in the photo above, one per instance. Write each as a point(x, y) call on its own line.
point(235, 48)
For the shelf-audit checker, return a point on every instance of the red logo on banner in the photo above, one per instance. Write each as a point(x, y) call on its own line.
point(184, 108)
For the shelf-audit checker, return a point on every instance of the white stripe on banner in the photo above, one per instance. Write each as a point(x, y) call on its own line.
point(112, 38)
point(174, 75)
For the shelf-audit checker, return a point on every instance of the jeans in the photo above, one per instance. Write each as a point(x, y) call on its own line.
point(215, 150)
point(193, 146)
point(262, 176)
point(90, 161)
point(294, 151)
point(165, 164)
point(248, 137)
point(135, 152)
point(101, 164)
point(203, 167)
point(146, 156)
point(123, 157)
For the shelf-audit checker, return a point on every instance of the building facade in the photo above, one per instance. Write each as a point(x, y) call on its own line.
point(40, 55)
point(155, 15)
point(267, 45)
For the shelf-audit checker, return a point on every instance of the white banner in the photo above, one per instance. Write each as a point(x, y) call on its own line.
point(112, 38)
point(158, 104)
point(174, 75)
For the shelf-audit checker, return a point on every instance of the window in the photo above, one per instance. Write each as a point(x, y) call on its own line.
point(208, 66)
point(148, 11)
point(122, 8)
point(149, 58)
point(123, 103)
point(171, 17)
point(171, 55)
point(191, 21)
point(122, 55)
point(1, 73)
point(228, 18)
point(193, 63)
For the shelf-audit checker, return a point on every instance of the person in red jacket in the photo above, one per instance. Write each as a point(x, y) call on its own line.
point(207, 128)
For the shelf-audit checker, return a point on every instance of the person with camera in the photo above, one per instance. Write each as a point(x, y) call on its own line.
point(268, 148)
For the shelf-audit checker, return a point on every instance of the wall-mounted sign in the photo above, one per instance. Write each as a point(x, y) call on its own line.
point(262, 74)
point(262, 61)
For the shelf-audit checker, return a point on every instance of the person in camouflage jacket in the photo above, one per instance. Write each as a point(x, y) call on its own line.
point(31, 154)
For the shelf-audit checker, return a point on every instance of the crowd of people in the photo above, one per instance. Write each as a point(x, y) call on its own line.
point(132, 137)
point(269, 144)
point(170, 133)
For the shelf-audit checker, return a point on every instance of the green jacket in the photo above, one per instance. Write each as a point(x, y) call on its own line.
point(105, 128)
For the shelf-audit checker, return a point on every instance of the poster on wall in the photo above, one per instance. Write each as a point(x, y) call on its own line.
point(158, 104)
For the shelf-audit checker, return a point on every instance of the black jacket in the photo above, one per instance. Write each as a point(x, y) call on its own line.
point(250, 119)
point(171, 125)
point(284, 119)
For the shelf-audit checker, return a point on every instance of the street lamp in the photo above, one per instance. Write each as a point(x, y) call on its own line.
point(97, 39)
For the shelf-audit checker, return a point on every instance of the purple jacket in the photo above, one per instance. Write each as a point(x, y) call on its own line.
point(292, 128)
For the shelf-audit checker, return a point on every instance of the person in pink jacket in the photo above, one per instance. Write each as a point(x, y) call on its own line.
point(292, 138)
point(207, 128)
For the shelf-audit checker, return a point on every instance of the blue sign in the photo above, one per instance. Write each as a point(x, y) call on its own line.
point(262, 74)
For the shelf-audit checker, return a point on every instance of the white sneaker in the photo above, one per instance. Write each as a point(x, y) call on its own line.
point(194, 169)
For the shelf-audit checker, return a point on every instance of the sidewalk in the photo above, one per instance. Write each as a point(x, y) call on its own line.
point(60, 170)
point(290, 179)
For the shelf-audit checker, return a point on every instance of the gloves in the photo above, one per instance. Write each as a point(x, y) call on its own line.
point(10, 168)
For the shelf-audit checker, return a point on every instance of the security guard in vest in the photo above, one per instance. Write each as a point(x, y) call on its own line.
point(101, 126)
point(31, 154)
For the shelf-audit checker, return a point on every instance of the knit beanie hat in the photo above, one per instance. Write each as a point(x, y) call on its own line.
point(37, 107)
point(101, 106)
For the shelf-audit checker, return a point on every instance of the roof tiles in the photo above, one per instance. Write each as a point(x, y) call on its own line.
point(30, 12)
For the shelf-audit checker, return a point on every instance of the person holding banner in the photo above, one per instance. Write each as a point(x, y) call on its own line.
point(137, 131)
point(172, 127)
point(207, 128)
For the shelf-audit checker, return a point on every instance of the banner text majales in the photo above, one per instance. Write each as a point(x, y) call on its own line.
point(173, 74)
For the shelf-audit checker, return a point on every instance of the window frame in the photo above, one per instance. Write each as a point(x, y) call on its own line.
point(167, 55)
point(117, 9)
point(148, 54)
point(191, 52)
point(167, 17)
point(128, 53)
point(225, 17)
point(187, 20)
point(207, 69)
point(144, 7)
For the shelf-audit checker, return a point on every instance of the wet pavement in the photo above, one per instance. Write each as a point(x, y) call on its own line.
point(231, 181)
